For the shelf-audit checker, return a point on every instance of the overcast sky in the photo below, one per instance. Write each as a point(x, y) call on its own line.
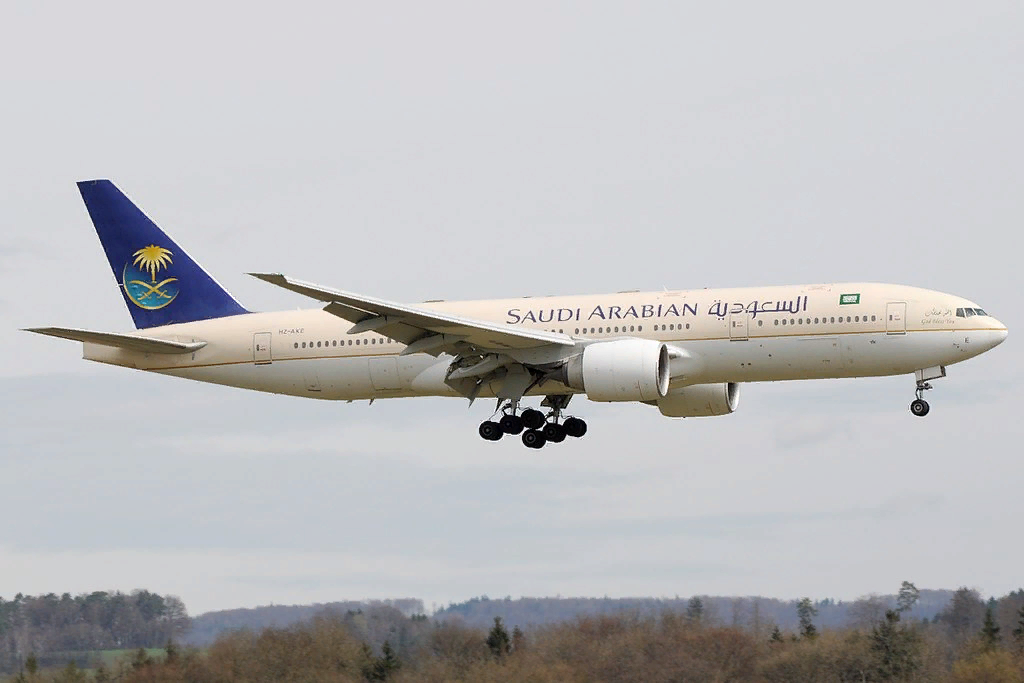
point(422, 151)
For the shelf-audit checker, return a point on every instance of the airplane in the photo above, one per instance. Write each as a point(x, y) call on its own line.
point(684, 352)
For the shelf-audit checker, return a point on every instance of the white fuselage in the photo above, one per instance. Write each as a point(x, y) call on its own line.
point(729, 335)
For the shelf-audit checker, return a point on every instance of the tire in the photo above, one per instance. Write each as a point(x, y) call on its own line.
point(575, 427)
point(490, 431)
point(511, 424)
point(533, 419)
point(555, 433)
point(920, 407)
point(533, 438)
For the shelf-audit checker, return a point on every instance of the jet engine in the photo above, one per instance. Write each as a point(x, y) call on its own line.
point(700, 400)
point(621, 370)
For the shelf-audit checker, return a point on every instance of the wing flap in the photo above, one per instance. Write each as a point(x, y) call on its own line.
point(131, 342)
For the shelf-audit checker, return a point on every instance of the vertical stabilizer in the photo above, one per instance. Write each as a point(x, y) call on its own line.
point(160, 283)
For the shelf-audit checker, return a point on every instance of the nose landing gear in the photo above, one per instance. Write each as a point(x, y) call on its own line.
point(919, 407)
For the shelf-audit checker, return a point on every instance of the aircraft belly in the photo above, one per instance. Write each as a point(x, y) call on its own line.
point(821, 357)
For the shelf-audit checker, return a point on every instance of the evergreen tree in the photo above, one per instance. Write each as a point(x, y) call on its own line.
point(386, 663)
point(100, 674)
point(369, 662)
point(70, 674)
point(498, 641)
point(806, 611)
point(907, 597)
point(518, 639)
point(776, 635)
point(896, 648)
point(990, 631)
point(141, 659)
point(1018, 633)
point(172, 652)
point(695, 610)
point(31, 663)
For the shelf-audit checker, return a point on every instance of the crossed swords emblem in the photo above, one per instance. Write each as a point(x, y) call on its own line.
point(154, 289)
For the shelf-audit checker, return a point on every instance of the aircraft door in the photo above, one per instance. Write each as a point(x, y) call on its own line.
point(896, 317)
point(261, 348)
point(739, 326)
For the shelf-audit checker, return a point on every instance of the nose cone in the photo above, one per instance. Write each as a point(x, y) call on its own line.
point(1000, 334)
point(994, 336)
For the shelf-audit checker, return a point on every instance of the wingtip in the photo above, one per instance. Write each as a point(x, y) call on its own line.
point(269, 277)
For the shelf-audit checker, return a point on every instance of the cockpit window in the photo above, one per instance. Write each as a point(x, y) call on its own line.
point(969, 312)
point(960, 313)
point(978, 311)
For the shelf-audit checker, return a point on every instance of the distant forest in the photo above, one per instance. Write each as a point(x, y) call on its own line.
point(946, 636)
point(50, 624)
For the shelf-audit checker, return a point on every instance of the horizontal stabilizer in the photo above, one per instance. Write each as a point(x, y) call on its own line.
point(130, 342)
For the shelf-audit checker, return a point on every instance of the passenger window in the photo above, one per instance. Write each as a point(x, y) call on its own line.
point(833, 320)
point(350, 342)
point(783, 321)
point(760, 323)
point(687, 325)
point(872, 318)
point(631, 328)
point(639, 328)
point(296, 344)
point(792, 322)
point(357, 342)
point(776, 321)
point(800, 321)
point(847, 318)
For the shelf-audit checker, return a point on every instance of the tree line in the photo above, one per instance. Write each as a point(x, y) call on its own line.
point(44, 626)
point(966, 642)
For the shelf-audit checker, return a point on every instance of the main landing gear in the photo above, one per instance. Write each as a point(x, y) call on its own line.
point(536, 428)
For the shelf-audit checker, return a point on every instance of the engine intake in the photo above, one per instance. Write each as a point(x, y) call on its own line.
point(621, 370)
point(700, 400)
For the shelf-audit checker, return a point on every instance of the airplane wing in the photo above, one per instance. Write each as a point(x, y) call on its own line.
point(131, 342)
point(423, 330)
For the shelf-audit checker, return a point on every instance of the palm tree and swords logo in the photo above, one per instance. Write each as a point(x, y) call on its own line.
point(140, 278)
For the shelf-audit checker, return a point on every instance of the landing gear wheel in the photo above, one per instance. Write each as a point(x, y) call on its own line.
point(511, 424)
point(575, 427)
point(919, 407)
point(533, 419)
point(491, 431)
point(534, 438)
point(554, 432)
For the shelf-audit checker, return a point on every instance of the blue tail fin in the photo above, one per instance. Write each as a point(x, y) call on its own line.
point(161, 284)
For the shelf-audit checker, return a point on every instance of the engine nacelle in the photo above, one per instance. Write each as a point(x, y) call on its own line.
point(700, 400)
point(621, 370)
